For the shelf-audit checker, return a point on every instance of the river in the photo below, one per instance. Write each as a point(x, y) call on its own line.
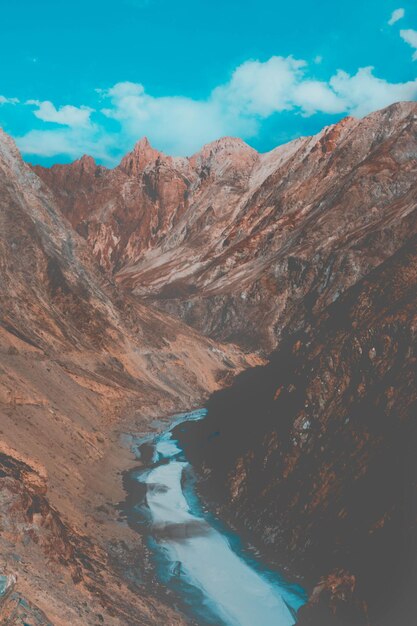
point(217, 580)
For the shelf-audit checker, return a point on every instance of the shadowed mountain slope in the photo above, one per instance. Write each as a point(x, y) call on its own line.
point(314, 454)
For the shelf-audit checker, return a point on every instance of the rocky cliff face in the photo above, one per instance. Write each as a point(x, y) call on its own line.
point(314, 454)
point(241, 245)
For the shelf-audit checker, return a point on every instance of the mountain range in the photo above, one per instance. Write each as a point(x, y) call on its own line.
point(136, 292)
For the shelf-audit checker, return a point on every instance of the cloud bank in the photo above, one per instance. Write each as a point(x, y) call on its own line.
point(67, 115)
point(180, 125)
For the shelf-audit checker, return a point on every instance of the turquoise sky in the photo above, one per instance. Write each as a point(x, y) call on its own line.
point(93, 76)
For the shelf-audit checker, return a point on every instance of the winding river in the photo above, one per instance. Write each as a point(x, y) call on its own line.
point(198, 558)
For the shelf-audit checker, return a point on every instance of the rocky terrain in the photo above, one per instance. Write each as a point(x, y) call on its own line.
point(80, 364)
point(117, 287)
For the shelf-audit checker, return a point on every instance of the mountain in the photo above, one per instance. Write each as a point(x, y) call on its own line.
point(244, 246)
point(81, 363)
point(117, 287)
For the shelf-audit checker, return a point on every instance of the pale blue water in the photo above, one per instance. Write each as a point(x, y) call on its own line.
point(201, 560)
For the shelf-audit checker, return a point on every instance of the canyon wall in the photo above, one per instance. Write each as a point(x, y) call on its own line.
point(313, 455)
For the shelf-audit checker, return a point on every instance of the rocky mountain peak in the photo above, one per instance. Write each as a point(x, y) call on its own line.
point(226, 144)
point(8, 148)
point(143, 154)
point(223, 154)
point(222, 148)
point(86, 162)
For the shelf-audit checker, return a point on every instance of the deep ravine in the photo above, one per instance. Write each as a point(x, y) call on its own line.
point(215, 579)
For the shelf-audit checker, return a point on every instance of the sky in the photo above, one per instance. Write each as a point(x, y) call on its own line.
point(94, 76)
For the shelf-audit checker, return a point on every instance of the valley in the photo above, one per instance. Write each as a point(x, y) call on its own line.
point(278, 290)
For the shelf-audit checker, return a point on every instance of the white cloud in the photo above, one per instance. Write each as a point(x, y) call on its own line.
point(397, 15)
point(72, 142)
point(364, 92)
point(410, 37)
point(313, 96)
point(176, 124)
point(4, 100)
point(66, 115)
point(180, 125)
point(261, 89)
point(255, 91)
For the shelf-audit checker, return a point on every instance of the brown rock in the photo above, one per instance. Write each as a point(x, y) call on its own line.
point(334, 602)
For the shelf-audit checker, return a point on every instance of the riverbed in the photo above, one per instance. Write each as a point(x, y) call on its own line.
point(217, 580)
